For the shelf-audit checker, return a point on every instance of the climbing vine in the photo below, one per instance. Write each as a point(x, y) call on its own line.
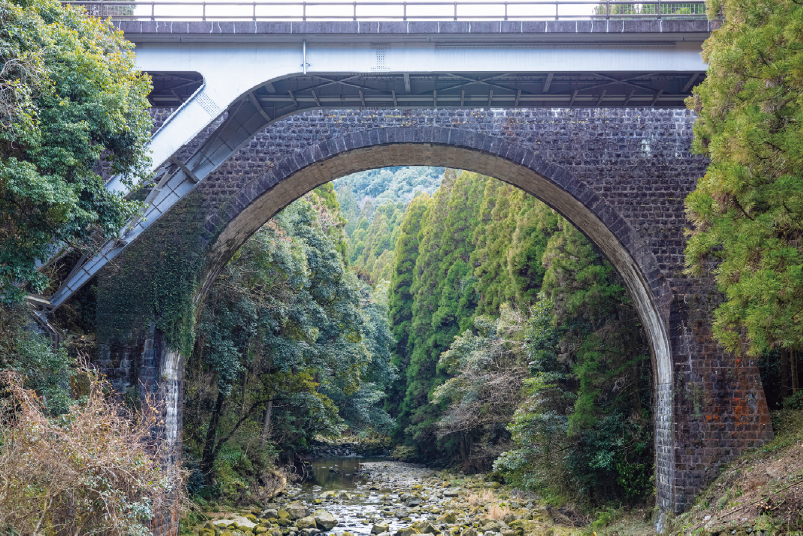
point(156, 280)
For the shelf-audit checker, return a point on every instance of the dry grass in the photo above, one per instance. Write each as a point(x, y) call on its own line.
point(497, 512)
point(487, 496)
point(95, 470)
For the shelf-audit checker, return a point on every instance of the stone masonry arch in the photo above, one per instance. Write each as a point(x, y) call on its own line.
point(620, 176)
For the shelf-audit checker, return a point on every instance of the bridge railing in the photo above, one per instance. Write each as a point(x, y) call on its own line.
point(411, 10)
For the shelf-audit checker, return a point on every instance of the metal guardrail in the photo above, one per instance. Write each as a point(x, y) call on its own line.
point(412, 10)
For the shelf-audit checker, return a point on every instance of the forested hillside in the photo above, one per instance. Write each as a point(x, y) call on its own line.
point(391, 184)
point(373, 203)
point(500, 306)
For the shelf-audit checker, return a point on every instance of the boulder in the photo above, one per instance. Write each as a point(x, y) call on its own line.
point(425, 527)
point(268, 513)
point(327, 495)
point(491, 526)
point(237, 522)
point(379, 528)
point(451, 493)
point(310, 532)
point(447, 519)
point(325, 520)
point(471, 531)
point(297, 510)
point(409, 531)
point(306, 523)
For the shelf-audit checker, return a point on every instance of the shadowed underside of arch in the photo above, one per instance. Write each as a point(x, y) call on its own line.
point(620, 177)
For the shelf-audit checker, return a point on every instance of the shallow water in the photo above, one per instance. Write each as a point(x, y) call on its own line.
point(341, 473)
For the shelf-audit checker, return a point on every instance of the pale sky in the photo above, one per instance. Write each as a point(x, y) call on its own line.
point(366, 9)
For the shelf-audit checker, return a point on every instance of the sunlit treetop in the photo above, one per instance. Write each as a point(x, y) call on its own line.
point(69, 94)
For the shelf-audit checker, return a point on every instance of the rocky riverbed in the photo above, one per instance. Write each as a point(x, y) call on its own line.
point(398, 499)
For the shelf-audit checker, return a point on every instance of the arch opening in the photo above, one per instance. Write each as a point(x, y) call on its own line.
point(246, 221)
point(285, 182)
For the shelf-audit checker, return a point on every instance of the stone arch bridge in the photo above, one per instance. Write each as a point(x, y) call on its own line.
point(615, 162)
point(619, 175)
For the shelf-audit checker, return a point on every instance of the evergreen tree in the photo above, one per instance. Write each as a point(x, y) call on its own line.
point(400, 297)
point(747, 211)
point(441, 270)
point(70, 95)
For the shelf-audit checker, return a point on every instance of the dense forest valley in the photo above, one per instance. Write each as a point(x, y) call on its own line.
point(419, 350)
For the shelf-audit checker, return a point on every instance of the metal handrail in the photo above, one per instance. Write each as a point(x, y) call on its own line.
point(186, 11)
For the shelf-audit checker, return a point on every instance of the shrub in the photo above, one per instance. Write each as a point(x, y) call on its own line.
point(94, 469)
point(403, 453)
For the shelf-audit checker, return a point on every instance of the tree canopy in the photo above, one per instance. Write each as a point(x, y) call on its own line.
point(69, 96)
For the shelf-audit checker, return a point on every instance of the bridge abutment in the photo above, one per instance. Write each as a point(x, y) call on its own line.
point(145, 372)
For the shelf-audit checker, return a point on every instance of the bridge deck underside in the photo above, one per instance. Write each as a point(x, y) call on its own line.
point(458, 90)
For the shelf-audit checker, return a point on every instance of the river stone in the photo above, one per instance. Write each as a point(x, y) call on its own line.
point(269, 513)
point(325, 520)
point(400, 513)
point(283, 513)
point(238, 522)
point(491, 526)
point(307, 522)
point(409, 531)
point(297, 510)
point(451, 493)
point(260, 530)
point(327, 495)
point(379, 528)
point(471, 531)
point(310, 532)
point(425, 527)
point(447, 519)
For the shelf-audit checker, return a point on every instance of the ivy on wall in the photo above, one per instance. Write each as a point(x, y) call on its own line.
point(156, 280)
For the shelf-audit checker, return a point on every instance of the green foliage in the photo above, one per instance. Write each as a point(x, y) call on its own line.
point(46, 371)
point(158, 279)
point(371, 244)
point(403, 453)
point(474, 246)
point(747, 211)
point(400, 296)
point(539, 426)
point(69, 95)
point(444, 299)
point(290, 344)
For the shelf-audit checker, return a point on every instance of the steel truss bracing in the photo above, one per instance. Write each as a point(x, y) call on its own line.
point(489, 90)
